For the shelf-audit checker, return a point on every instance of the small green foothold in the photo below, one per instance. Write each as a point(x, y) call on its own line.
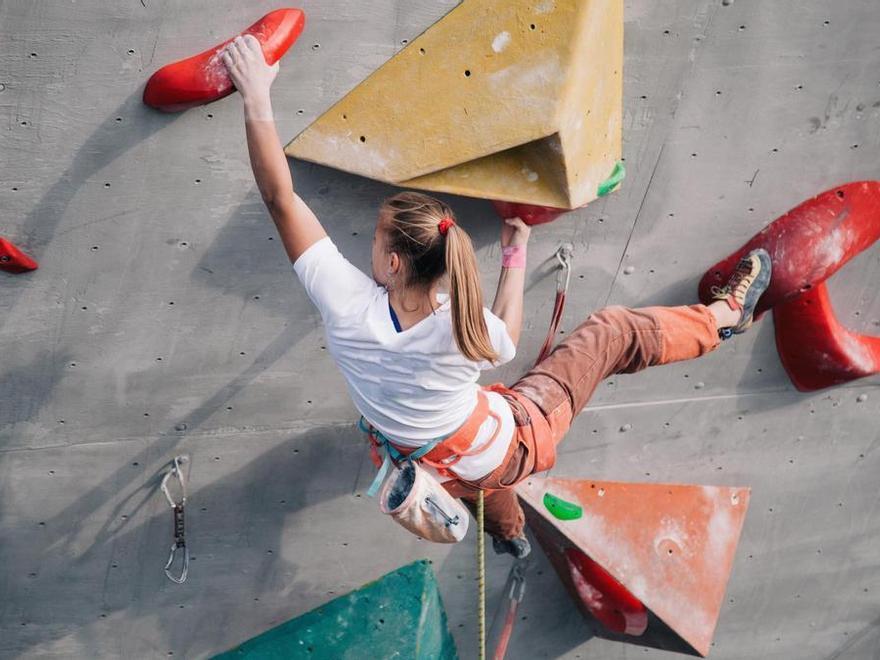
point(617, 175)
point(562, 509)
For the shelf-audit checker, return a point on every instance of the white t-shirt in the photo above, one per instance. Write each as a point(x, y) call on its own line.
point(414, 385)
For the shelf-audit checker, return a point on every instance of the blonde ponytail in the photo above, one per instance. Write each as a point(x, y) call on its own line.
point(466, 298)
point(415, 234)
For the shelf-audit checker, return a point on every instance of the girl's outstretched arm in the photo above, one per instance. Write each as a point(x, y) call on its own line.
point(297, 226)
point(508, 305)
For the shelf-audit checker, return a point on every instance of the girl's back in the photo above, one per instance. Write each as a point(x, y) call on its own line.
point(413, 384)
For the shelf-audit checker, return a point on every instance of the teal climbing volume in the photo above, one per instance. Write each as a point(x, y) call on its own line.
point(400, 615)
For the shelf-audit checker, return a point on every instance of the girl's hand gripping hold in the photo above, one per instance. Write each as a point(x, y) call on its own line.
point(250, 74)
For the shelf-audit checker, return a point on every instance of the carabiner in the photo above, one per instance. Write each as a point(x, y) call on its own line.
point(563, 279)
point(516, 580)
point(179, 528)
point(563, 275)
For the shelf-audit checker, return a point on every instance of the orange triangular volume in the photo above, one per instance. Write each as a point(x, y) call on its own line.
point(671, 546)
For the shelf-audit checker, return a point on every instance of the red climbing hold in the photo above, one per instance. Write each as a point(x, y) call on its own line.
point(606, 599)
point(203, 78)
point(13, 260)
point(531, 214)
point(808, 245)
point(816, 349)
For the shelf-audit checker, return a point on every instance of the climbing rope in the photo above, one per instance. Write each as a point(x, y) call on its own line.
point(177, 505)
point(481, 577)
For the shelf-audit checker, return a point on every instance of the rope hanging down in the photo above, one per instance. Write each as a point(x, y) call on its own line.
point(481, 577)
point(177, 505)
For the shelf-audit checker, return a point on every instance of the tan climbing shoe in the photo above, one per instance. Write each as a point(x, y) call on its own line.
point(742, 291)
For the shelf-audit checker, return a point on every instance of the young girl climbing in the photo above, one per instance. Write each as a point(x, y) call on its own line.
point(411, 355)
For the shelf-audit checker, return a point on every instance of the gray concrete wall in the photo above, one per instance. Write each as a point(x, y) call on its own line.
point(733, 114)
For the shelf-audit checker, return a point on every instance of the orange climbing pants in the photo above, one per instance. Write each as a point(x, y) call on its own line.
point(614, 340)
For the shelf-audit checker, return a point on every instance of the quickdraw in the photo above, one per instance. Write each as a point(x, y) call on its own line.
point(177, 507)
point(563, 279)
point(515, 589)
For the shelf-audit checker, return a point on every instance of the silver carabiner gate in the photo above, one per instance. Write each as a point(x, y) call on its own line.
point(516, 580)
point(179, 529)
point(563, 275)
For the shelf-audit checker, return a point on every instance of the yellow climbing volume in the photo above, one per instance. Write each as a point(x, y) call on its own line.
point(501, 99)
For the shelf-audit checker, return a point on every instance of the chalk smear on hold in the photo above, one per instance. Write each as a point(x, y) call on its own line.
point(530, 175)
point(499, 43)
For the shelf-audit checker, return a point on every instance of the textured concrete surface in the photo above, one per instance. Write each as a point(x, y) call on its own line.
point(732, 115)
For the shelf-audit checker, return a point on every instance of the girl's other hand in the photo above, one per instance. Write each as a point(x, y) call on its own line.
point(514, 232)
point(247, 67)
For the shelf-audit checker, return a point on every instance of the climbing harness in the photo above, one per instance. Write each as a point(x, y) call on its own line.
point(563, 279)
point(411, 495)
point(177, 505)
point(514, 589)
point(378, 441)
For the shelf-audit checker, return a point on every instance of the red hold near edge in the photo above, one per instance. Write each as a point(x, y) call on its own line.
point(203, 78)
point(609, 601)
point(808, 245)
point(531, 214)
point(13, 260)
point(816, 349)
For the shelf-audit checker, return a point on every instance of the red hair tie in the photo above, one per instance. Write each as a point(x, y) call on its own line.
point(445, 224)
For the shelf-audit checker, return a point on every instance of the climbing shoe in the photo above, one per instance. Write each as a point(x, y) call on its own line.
point(747, 284)
point(518, 547)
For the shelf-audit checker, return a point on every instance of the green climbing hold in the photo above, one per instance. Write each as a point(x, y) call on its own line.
point(561, 508)
point(400, 615)
point(618, 174)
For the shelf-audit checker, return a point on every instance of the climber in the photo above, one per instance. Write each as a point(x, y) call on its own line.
point(411, 355)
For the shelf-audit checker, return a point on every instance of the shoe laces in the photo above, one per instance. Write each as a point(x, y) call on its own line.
point(739, 282)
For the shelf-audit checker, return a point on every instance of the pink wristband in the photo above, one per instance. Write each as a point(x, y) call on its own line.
point(513, 256)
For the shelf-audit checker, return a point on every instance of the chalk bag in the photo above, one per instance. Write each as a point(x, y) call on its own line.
point(418, 502)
